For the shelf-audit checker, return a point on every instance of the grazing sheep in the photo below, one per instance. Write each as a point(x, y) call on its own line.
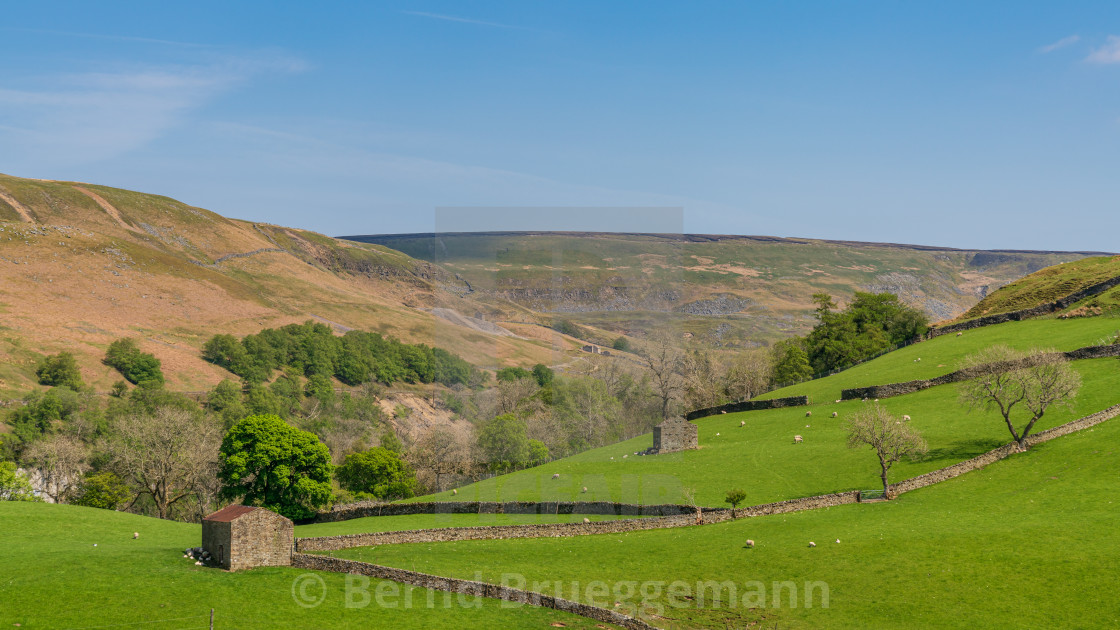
point(454, 491)
point(812, 544)
point(585, 488)
point(808, 414)
point(837, 401)
point(919, 359)
point(742, 423)
point(876, 400)
point(556, 476)
point(750, 543)
point(587, 520)
point(797, 439)
point(135, 535)
point(837, 541)
point(723, 411)
point(198, 564)
point(623, 457)
point(959, 334)
point(906, 418)
point(834, 414)
point(717, 435)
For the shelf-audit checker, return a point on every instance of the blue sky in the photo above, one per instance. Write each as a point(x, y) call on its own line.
point(988, 125)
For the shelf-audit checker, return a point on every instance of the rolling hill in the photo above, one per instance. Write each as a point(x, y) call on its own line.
point(719, 290)
point(82, 265)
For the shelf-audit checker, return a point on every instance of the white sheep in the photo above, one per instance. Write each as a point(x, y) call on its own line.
point(723, 411)
point(837, 541)
point(623, 457)
point(587, 520)
point(838, 401)
point(806, 426)
point(797, 439)
point(750, 543)
point(812, 544)
point(834, 414)
point(135, 535)
point(585, 488)
point(959, 334)
point(808, 414)
point(907, 418)
point(556, 476)
point(454, 491)
point(742, 423)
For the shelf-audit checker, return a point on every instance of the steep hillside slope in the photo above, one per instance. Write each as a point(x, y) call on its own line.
point(1051, 284)
point(82, 265)
point(719, 290)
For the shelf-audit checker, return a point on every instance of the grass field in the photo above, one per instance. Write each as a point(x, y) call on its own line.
point(943, 354)
point(1028, 542)
point(373, 524)
point(52, 576)
point(762, 459)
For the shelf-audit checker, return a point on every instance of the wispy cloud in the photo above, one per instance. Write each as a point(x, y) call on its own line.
point(463, 20)
point(91, 116)
point(1061, 43)
point(1109, 53)
point(105, 37)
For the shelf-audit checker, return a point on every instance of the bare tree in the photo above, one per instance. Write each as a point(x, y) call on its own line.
point(439, 453)
point(663, 359)
point(1007, 378)
point(749, 375)
point(61, 460)
point(892, 438)
point(165, 455)
point(702, 382)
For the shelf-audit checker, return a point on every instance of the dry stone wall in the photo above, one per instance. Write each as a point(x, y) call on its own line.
point(909, 387)
point(1029, 313)
point(980, 461)
point(466, 587)
point(369, 508)
point(749, 405)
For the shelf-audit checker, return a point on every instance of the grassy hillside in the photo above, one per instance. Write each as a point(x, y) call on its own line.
point(54, 577)
point(1028, 542)
point(942, 355)
point(82, 265)
point(1051, 284)
point(762, 459)
point(725, 291)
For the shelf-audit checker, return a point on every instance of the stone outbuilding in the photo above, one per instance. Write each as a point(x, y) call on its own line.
point(675, 434)
point(242, 537)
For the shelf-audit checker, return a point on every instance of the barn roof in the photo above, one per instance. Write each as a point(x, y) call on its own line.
point(229, 513)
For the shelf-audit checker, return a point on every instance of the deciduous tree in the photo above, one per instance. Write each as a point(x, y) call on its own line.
point(264, 461)
point(891, 437)
point(1009, 380)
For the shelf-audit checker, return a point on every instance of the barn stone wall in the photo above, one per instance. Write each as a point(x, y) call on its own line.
point(675, 435)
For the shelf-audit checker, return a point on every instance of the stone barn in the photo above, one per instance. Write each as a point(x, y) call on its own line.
point(675, 434)
point(241, 537)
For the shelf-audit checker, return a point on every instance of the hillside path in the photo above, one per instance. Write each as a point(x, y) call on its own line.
point(107, 207)
point(21, 209)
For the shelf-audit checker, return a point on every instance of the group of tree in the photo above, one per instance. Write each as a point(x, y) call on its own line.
point(314, 351)
point(871, 324)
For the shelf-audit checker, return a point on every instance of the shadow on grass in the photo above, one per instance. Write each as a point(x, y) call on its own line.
point(959, 451)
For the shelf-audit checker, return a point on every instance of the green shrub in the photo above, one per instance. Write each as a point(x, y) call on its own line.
point(137, 367)
point(59, 370)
